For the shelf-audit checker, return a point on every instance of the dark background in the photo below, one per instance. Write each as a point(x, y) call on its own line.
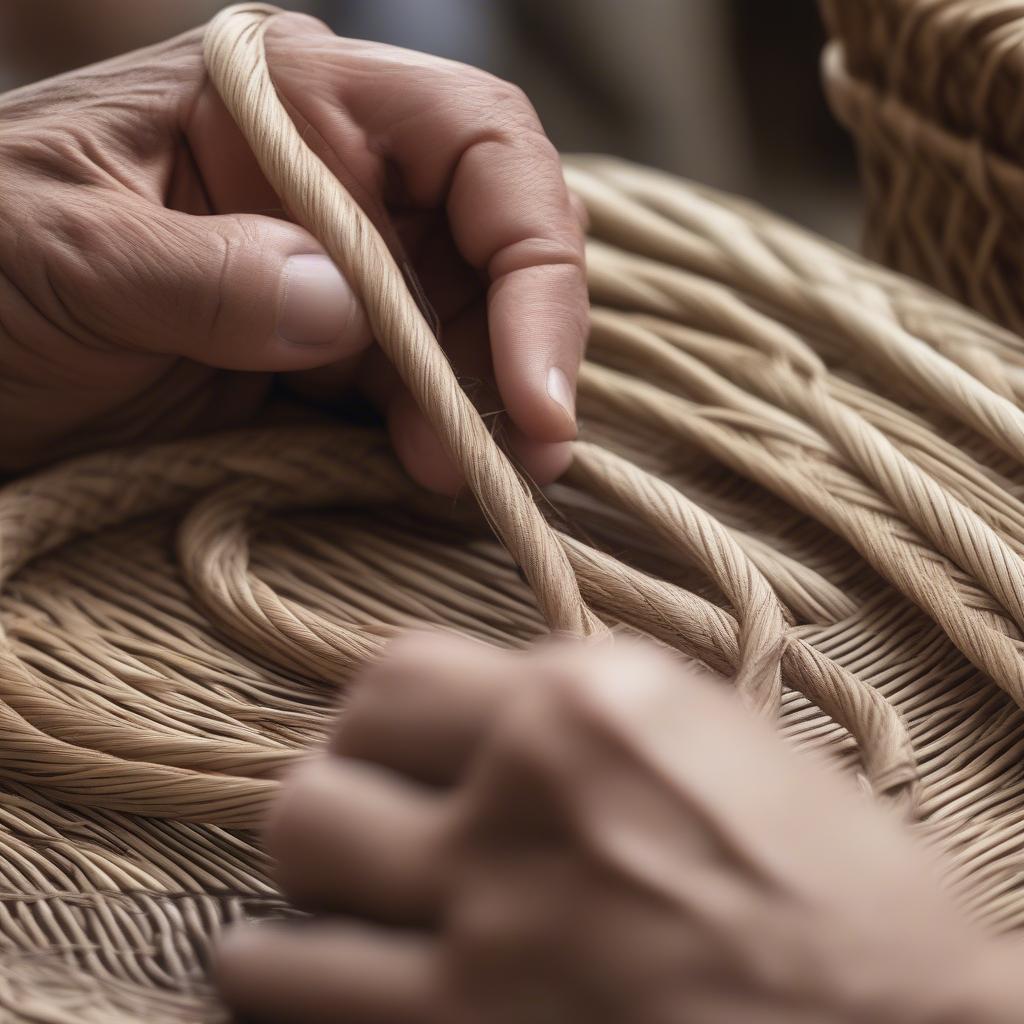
point(723, 91)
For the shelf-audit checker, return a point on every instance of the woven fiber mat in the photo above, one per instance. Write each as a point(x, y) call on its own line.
point(933, 93)
point(790, 459)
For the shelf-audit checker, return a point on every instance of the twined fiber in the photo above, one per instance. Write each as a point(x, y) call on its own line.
point(933, 94)
point(795, 467)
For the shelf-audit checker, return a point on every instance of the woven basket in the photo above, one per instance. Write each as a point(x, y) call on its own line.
point(178, 620)
point(933, 93)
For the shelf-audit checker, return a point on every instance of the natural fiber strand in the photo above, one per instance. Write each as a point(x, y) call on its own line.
point(932, 92)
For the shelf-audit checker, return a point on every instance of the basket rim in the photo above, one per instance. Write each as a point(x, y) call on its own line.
point(869, 113)
point(957, 62)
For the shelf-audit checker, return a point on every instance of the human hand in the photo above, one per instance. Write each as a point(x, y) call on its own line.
point(150, 284)
point(591, 832)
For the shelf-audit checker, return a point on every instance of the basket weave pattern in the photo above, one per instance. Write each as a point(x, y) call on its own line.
point(933, 93)
point(177, 628)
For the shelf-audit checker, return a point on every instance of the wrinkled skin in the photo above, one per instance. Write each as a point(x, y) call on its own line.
point(593, 833)
point(143, 256)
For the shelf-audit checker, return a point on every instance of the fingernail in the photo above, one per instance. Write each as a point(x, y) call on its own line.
point(560, 391)
point(317, 303)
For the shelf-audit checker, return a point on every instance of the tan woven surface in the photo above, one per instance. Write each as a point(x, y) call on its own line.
point(957, 62)
point(795, 467)
point(178, 627)
point(933, 93)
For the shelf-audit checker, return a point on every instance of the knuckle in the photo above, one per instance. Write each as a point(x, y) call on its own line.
point(496, 924)
point(559, 701)
point(375, 681)
point(543, 147)
point(402, 659)
point(565, 250)
point(590, 697)
point(82, 270)
point(573, 691)
point(514, 96)
point(598, 682)
point(386, 683)
point(524, 739)
point(56, 157)
point(76, 226)
point(500, 88)
point(508, 105)
point(545, 739)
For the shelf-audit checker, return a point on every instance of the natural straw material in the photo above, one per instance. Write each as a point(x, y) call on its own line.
point(237, 64)
point(933, 93)
point(797, 468)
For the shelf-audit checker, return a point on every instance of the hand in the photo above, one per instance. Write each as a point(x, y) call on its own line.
point(150, 284)
point(593, 833)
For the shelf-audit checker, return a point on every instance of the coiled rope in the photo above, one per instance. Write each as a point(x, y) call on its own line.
point(836, 392)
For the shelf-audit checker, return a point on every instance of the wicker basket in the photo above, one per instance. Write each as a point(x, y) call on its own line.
point(933, 93)
point(175, 620)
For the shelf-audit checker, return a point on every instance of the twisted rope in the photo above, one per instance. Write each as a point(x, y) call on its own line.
point(237, 64)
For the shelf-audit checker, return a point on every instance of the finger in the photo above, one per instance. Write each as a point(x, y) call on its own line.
point(473, 144)
point(323, 972)
point(684, 724)
point(425, 708)
point(237, 291)
point(540, 462)
point(418, 447)
point(450, 286)
point(511, 217)
point(226, 177)
point(417, 444)
point(351, 838)
point(428, 462)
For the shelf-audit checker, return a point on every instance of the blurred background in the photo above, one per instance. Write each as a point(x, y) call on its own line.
point(726, 92)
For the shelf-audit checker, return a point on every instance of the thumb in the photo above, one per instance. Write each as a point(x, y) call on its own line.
point(240, 291)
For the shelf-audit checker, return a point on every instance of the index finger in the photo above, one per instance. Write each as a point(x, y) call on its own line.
point(511, 216)
point(468, 141)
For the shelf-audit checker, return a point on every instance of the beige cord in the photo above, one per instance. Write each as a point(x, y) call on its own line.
point(237, 64)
